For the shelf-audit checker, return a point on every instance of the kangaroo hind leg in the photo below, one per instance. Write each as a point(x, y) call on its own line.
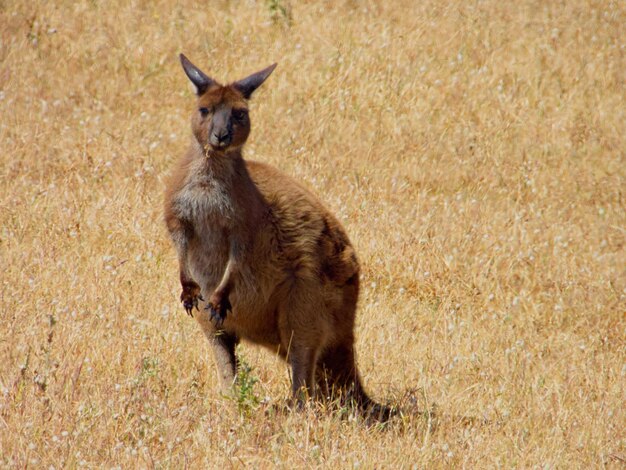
point(302, 359)
point(302, 335)
point(337, 375)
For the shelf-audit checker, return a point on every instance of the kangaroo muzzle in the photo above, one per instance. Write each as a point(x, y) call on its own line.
point(221, 134)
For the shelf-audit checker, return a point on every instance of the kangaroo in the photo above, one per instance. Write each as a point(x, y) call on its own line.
point(275, 267)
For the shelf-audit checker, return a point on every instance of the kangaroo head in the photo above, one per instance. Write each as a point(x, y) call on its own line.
point(221, 122)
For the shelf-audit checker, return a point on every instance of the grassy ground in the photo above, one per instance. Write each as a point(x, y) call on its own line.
point(476, 153)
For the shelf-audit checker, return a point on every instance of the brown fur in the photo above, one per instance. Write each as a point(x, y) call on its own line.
point(251, 238)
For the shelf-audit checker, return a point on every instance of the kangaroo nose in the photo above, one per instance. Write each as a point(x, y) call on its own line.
point(220, 139)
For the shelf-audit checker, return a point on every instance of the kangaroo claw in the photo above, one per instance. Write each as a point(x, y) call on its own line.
point(217, 316)
point(219, 306)
point(189, 304)
point(219, 310)
point(190, 301)
point(190, 297)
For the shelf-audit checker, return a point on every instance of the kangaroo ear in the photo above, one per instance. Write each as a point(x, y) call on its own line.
point(247, 85)
point(197, 76)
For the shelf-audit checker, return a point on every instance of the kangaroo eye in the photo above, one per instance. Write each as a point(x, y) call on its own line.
point(239, 114)
point(204, 112)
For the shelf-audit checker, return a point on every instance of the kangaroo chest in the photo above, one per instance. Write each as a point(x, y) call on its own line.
point(204, 200)
point(207, 207)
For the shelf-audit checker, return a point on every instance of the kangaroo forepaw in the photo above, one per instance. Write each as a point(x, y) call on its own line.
point(190, 297)
point(216, 315)
point(219, 306)
point(189, 305)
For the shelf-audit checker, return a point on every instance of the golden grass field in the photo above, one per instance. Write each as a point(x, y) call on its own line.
point(475, 152)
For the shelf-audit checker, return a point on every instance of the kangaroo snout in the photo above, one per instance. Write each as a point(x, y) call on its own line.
point(221, 130)
point(220, 139)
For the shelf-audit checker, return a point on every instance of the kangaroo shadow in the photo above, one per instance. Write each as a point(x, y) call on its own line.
point(411, 408)
point(405, 410)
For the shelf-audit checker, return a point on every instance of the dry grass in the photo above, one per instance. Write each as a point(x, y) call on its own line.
point(475, 152)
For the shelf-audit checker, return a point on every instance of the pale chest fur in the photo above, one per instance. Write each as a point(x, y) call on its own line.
point(204, 199)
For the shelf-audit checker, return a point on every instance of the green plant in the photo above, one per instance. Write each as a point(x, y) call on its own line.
point(247, 400)
point(279, 11)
